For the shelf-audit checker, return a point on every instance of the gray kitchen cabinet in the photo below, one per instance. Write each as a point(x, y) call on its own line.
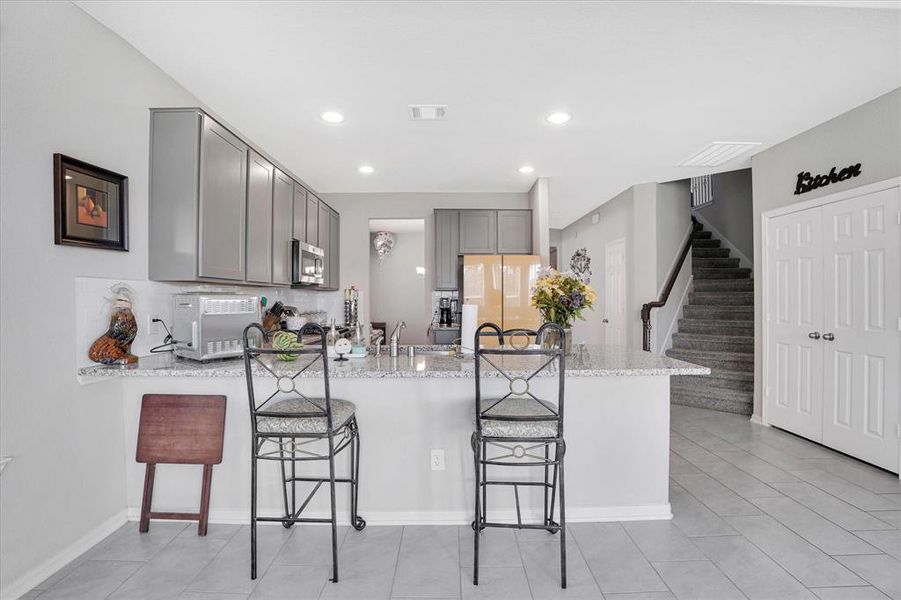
point(258, 257)
point(313, 221)
point(198, 193)
point(220, 210)
point(223, 198)
point(334, 252)
point(324, 229)
point(478, 232)
point(300, 213)
point(282, 227)
point(447, 248)
point(514, 232)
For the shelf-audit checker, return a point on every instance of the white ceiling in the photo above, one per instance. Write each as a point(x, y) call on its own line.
point(648, 83)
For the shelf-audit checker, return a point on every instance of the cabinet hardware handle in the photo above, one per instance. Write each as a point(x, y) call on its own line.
point(828, 337)
point(814, 335)
point(605, 321)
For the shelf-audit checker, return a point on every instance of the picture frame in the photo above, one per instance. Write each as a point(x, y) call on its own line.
point(90, 205)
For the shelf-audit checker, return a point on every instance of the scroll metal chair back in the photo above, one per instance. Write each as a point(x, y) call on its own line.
point(286, 382)
point(522, 428)
point(287, 421)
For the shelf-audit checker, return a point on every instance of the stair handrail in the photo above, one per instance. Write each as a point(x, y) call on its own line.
point(664, 296)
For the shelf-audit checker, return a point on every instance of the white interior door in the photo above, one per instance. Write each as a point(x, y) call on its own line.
point(615, 293)
point(862, 366)
point(795, 320)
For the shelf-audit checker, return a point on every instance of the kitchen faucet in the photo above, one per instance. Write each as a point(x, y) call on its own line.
point(378, 344)
point(395, 338)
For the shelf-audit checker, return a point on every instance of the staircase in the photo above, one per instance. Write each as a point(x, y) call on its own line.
point(717, 331)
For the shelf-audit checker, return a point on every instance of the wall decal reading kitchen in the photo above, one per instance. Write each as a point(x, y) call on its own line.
point(806, 182)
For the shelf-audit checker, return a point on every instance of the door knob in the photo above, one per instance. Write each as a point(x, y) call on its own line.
point(828, 337)
point(814, 335)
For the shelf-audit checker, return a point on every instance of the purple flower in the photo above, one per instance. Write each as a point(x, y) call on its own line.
point(565, 301)
point(577, 299)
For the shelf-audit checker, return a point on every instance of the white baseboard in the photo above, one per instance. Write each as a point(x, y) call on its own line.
point(592, 514)
point(755, 418)
point(38, 574)
point(743, 261)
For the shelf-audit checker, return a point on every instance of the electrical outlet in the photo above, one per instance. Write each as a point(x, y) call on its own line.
point(436, 459)
point(154, 328)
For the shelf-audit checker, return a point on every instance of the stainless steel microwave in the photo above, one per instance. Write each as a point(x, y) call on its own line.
point(307, 264)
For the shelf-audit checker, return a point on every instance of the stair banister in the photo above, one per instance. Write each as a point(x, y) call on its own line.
point(670, 282)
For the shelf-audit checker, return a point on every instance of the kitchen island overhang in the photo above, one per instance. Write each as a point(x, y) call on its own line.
point(616, 426)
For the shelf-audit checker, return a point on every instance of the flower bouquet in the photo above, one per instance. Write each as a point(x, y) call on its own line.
point(561, 298)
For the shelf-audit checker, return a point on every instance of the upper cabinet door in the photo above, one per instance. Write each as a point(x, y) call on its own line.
point(478, 232)
point(282, 227)
point(259, 218)
point(447, 248)
point(300, 213)
point(334, 253)
point(313, 221)
point(324, 244)
point(223, 197)
point(514, 232)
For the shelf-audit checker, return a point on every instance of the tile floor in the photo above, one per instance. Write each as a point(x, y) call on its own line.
point(759, 514)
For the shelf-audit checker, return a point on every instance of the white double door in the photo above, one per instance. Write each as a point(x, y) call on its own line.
point(833, 350)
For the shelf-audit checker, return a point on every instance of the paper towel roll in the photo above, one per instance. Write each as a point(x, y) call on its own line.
point(470, 322)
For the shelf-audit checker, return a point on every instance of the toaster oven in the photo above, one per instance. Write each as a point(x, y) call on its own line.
point(208, 326)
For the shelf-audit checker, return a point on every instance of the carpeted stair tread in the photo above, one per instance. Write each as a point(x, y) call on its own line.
point(706, 243)
point(723, 285)
point(714, 263)
point(721, 273)
point(730, 361)
point(711, 402)
point(711, 342)
point(721, 313)
point(716, 326)
point(722, 298)
point(709, 253)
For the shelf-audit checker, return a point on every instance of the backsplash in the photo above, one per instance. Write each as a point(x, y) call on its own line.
point(154, 299)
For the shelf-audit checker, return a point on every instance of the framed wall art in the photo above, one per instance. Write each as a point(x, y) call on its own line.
point(90, 205)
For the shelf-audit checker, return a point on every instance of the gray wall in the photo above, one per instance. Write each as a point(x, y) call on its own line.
point(398, 293)
point(357, 209)
point(70, 85)
point(869, 134)
point(731, 212)
point(654, 219)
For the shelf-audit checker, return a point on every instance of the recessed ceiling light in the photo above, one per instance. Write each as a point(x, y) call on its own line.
point(331, 116)
point(366, 169)
point(526, 169)
point(559, 118)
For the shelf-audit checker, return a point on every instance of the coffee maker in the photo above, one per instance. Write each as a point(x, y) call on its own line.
point(445, 314)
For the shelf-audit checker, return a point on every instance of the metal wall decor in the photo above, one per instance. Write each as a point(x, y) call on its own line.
point(90, 205)
point(807, 182)
point(580, 264)
point(383, 243)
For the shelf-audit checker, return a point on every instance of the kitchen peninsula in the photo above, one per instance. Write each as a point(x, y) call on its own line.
point(616, 417)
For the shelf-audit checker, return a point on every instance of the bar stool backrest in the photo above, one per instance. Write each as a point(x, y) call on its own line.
point(283, 378)
point(551, 363)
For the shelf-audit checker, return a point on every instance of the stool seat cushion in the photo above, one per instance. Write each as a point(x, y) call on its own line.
point(519, 407)
point(342, 411)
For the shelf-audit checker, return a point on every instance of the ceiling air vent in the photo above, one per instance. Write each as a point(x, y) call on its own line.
point(717, 153)
point(428, 112)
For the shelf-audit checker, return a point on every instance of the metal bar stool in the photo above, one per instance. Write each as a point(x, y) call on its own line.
point(287, 424)
point(520, 428)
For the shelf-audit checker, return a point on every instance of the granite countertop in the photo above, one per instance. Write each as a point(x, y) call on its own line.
point(587, 361)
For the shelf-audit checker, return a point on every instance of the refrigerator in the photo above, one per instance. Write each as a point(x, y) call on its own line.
point(501, 286)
